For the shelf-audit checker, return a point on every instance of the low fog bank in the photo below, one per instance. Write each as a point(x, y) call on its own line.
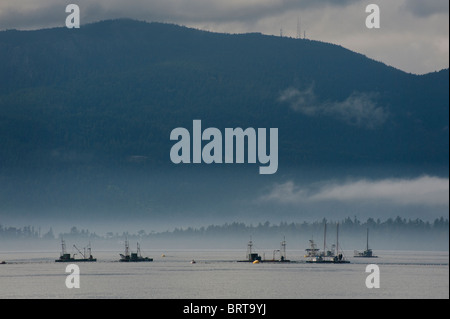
point(390, 234)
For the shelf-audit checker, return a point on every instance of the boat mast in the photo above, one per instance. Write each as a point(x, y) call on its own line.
point(367, 248)
point(283, 248)
point(63, 246)
point(89, 249)
point(324, 238)
point(337, 239)
point(126, 248)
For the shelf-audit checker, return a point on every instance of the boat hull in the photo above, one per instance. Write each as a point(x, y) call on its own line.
point(327, 262)
point(75, 260)
point(136, 261)
point(265, 261)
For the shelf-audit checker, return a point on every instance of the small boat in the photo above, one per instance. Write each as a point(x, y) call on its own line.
point(193, 261)
point(281, 252)
point(133, 257)
point(326, 257)
point(65, 257)
point(256, 258)
point(251, 256)
point(366, 253)
point(3, 263)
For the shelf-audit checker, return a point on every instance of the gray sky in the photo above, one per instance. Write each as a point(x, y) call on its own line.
point(413, 35)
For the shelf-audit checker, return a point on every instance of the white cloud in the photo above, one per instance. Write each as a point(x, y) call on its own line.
point(425, 190)
point(358, 109)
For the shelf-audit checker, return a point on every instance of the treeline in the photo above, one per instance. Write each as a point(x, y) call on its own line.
point(347, 226)
point(26, 232)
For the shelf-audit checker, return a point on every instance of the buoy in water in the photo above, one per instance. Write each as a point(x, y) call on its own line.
point(163, 255)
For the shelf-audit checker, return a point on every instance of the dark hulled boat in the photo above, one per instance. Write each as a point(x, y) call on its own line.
point(366, 253)
point(133, 257)
point(251, 256)
point(65, 257)
point(281, 252)
point(256, 258)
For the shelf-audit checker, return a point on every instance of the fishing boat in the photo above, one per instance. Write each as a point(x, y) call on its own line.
point(312, 251)
point(256, 258)
point(65, 257)
point(280, 252)
point(251, 256)
point(133, 257)
point(366, 253)
point(326, 256)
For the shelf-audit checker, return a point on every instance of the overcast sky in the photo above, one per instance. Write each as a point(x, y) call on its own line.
point(413, 37)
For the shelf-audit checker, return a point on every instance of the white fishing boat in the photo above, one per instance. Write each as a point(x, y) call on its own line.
point(326, 256)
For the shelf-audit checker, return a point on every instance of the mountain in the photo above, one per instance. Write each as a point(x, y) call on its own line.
point(90, 105)
point(115, 89)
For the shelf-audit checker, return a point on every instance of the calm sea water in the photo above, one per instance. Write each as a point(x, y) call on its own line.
point(403, 274)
